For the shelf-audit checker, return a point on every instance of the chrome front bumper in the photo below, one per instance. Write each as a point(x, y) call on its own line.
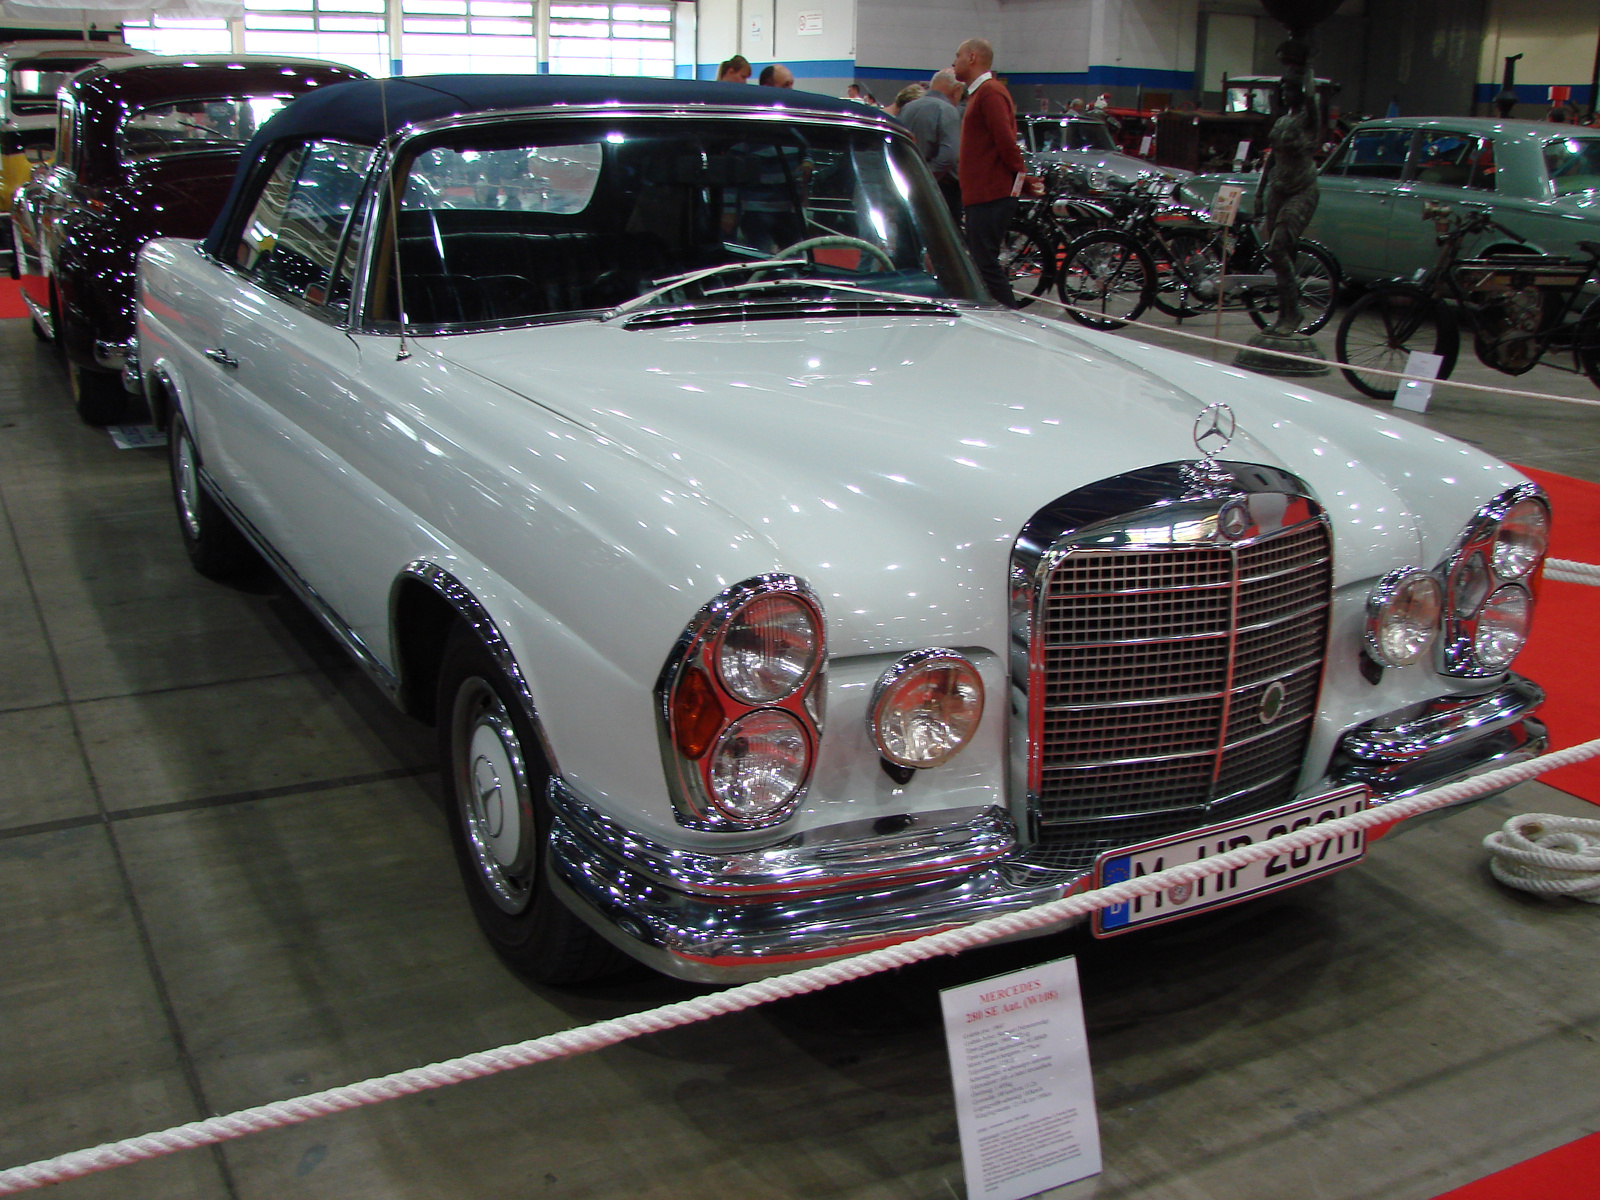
point(833, 892)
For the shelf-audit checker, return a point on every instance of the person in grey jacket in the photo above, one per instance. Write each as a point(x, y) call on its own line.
point(935, 123)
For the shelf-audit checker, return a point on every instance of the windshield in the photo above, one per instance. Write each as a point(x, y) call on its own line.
point(1573, 164)
point(524, 221)
point(34, 82)
point(190, 126)
point(1072, 135)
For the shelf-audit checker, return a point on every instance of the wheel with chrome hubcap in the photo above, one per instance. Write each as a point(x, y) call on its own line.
point(214, 544)
point(495, 779)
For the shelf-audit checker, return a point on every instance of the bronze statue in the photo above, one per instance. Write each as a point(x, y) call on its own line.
point(1288, 191)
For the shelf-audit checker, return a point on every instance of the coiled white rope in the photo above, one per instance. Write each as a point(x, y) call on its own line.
point(1565, 570)
point(607, 1033)
point(1548, 855)
point(1323, 362)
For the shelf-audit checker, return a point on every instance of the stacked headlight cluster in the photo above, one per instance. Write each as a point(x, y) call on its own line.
point(1475, 608)
point(741, 705)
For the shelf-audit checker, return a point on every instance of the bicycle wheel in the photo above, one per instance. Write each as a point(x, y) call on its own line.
point(1319, 290)
point(1380, 331)
point(1186, 281)
point(1106, 279)
point(1030, 256)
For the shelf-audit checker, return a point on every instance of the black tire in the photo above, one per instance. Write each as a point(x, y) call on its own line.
point(1320, 280)
point(489, 754)
point(1381, 329)
point(1109, 275)
point(98, 396)
point(1586, 342)
point(1187, 281)
point(214, 544)
point(1030, 255)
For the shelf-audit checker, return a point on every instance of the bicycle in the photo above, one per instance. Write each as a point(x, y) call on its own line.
point(1184, 254)
point(1518, 307)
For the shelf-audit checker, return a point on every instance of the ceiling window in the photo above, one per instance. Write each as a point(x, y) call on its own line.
point(611, 39)
point(342, 31)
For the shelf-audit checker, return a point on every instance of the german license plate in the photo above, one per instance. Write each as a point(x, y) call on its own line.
point(1279, 871)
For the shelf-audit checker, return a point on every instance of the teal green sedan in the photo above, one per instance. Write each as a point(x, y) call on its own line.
point(1540, 179)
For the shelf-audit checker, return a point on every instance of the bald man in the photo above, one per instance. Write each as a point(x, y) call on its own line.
point(777, 75)
point(991, 169)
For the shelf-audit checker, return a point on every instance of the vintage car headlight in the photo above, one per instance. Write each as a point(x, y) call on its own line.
point(740, 705)
point(769, 648)
point(760, 762)
point(1488, 577)
point(1522, 540)
point(1403, 617)
point(925, 708)
point(1502, 627)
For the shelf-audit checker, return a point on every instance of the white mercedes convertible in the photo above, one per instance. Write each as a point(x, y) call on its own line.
point(774, 594)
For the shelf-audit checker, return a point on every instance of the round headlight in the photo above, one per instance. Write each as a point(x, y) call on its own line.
point(759, 764)
point(926, 708)
point(1403, 618)
point(1503, 627)
point(1521, 540)
point(769, 648)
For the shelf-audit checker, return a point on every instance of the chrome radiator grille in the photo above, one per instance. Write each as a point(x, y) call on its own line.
point(1178, 686)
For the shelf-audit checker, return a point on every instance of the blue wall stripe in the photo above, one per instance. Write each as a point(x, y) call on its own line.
point(1531, 93)
point(1104, 76)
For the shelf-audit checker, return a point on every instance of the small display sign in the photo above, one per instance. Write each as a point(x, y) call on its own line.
point(1019, 1057)
point(1413, 394)
point(1225, 204)
point(810, 23)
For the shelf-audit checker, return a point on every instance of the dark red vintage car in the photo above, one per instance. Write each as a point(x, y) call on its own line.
point(147, 148)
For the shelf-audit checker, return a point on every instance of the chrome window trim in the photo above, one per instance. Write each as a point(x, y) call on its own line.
point(1176, 496)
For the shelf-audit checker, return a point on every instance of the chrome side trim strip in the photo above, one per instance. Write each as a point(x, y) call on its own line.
point(320, 608)
point(39, 313)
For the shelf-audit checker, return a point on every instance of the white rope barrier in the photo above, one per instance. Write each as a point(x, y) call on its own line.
point(1323, 362)
point(1567, 571)
point(607, 1033)
point(1548, 855)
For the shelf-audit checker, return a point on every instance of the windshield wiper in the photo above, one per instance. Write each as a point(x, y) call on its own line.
point(675, 282)
point(832, 285)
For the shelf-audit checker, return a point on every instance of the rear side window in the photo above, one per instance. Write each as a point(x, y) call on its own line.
point(1372, 154)
point(292, 241)
point(1447, 159)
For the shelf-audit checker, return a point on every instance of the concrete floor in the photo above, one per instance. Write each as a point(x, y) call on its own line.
point(225, 879)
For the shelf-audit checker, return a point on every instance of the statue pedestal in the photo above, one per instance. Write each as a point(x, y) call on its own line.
point(1263, 355)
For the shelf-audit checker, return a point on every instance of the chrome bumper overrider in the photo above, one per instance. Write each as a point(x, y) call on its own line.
point(828, 893)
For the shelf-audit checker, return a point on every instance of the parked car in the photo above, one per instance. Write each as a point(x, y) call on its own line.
point(30, 73)
point(1540, 180)
point(1082, 154)
point(148, 147)
point(773, 594)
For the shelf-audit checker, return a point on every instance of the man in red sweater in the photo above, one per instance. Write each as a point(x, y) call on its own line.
point(991, 169)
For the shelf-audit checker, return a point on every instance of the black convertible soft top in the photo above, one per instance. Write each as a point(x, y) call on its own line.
point(365, 111)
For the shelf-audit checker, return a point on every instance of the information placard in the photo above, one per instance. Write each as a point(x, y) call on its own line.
point(1413, 394)
point(1225, 204)
point(1024, 1093)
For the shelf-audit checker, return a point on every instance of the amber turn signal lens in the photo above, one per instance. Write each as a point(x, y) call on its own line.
point(696, 715)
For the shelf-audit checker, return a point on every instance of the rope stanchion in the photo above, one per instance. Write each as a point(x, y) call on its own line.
point(1323, 362)
point(607, 1033)
point(1548, 855)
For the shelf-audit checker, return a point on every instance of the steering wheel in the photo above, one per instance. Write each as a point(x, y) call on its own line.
point(838, 239)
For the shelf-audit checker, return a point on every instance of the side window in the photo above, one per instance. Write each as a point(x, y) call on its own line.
point(1482, 166)
point(1444, 159)
point(1373, 154)
point(292, 239)
point(66, 132)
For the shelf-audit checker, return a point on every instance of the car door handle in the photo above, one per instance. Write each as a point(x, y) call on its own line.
point(222, 358)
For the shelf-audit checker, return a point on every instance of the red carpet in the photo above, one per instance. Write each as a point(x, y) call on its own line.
point(1564, 654)
point(1570, 1172)
point(11, 304)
